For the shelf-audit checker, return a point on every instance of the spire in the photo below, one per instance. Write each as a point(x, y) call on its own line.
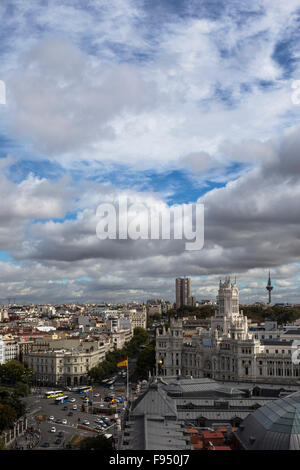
point(269, 280)
point(269, 287)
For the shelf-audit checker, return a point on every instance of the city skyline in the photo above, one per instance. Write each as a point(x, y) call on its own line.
point(166, 103)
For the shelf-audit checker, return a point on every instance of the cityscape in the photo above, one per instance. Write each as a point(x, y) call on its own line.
point(149, 229)
point(132, 373)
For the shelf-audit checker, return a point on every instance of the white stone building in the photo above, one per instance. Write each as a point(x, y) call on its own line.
point(228, 351)
point(3, 314)
point(66, 362)
point(137, 318)
point(2, 351)
point(10, 348)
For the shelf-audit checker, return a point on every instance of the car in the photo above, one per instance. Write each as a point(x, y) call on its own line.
point(51, 418)
point(74, 407)
point(72, 400)
point(58, 441)
point(60, 434)
point(97, 395)
point(86, 422)
point(58, 421)
point(65, 408)
point(53, 429)
point(70, 413)
point(64, 421)
point(46, 444)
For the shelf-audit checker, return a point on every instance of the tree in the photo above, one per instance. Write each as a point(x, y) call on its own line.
point(7, 417)
point(131, 350)
point(146, 361)
point(21, 389)
point(11, 399)
point(2, 445)
point(15, 371)
point(96, 443)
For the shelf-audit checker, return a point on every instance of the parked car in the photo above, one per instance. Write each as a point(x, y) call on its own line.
point(60, 434)
point(65, 408)
point(53, 429)
point(51, 418)
point(58, 441)
point(86, 422)
point(46, 444)
point(58, 421)
point(74, 407)
point(64, 421)
point(70, 413)
point(97, 395)
point(72, 400)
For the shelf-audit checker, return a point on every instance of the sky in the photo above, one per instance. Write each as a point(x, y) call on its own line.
point(163, 102)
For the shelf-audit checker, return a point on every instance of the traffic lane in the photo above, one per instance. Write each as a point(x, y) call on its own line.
point(68, 430)
point(46, 407)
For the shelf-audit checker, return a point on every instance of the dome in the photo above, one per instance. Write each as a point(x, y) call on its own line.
point(274, 426)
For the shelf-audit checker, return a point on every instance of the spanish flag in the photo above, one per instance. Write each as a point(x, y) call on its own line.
point(123, 364)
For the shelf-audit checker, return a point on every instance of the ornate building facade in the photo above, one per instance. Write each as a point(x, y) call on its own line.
point(228, 350)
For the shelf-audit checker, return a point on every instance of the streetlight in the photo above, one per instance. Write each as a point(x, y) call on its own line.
point(159, 364)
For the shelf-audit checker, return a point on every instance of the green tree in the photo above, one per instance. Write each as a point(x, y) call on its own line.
point(21, 389)
point(131, 350)
point(15, 371)
point(2, 445)
point(7, 417)
point(96, 443)
point(145, 361)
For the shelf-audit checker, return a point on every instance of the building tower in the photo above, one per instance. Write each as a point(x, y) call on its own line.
point(269, 287)
point(183, 291)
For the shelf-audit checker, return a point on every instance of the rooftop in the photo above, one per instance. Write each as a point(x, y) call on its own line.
point(274, 426)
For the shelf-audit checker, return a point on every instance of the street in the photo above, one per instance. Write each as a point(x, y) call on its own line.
point(39, 436)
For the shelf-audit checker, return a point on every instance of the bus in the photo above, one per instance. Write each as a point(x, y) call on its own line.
point(54, 394)
point(84, 389)
point(61, 400)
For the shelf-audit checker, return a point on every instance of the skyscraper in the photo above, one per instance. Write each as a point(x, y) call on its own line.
point(183, 291)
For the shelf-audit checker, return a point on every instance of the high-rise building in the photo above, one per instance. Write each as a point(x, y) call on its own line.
point(183, 291)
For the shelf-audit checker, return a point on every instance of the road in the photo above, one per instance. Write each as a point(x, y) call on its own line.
point(37, 405)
